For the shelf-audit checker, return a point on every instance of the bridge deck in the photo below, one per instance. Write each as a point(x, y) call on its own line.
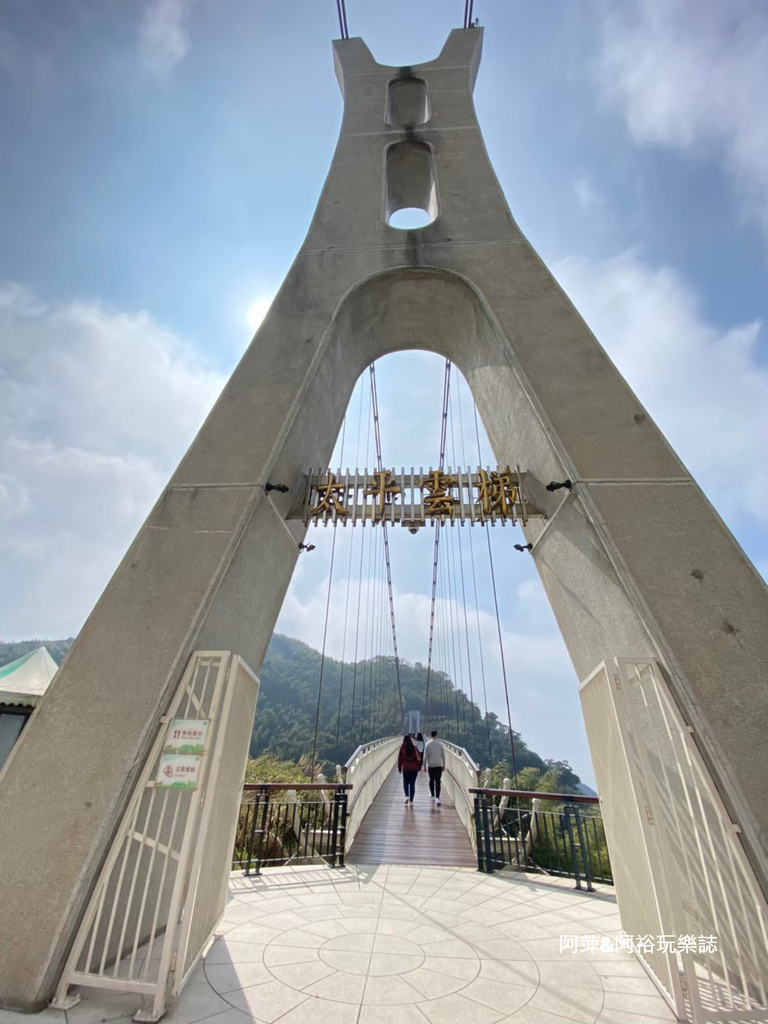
point(391, 833)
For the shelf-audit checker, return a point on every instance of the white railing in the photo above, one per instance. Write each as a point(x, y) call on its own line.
point(365, 771)
point(459, 775)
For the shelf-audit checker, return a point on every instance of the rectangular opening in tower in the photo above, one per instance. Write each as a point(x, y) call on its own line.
point(410, 179)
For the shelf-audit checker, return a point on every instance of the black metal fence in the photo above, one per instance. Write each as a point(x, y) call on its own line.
point(289, 823)
point(565, 839)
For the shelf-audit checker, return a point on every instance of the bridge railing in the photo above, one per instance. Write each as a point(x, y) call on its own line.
point(460, 776)
point(364, 773)
point(557, 833)
point(290, 823)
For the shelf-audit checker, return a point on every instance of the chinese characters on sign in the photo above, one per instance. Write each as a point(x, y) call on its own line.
point(438, 500)
point(182, 754)
point(382, 487)
point(412, 499)
point(178, 771)
point(329, 502)
point(186, 736)
point(638, 943)
point(497, 491)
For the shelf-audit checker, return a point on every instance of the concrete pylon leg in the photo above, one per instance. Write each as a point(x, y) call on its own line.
point(635, 561)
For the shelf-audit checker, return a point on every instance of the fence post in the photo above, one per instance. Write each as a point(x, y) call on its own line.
point(342, 798)
point(584, 847)
point(263, 795)
point(478, 834)
point(568, 808)
point(486, 836)
point(251, 834)
point(334, 828)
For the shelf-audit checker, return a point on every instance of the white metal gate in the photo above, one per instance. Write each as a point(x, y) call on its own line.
point(163, 885)
point(680, 872)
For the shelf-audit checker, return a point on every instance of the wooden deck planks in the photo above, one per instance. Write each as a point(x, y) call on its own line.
point(422, 833)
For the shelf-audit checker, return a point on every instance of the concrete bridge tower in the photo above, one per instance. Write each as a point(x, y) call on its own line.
point(635, 561)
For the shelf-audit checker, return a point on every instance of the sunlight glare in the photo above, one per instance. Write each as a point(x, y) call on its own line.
point(257, 311)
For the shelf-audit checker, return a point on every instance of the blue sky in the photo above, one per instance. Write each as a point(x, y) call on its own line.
point(160, 163)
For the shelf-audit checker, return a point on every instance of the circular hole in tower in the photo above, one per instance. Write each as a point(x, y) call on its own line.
point(409, 218)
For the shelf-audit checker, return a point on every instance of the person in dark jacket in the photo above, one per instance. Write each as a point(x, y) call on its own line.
point(408, 764)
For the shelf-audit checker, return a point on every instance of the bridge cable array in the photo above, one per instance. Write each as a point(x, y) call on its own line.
point(376, 703)
point(341, 10)
point(498, 623)
point(436, 554)
point(385, 534)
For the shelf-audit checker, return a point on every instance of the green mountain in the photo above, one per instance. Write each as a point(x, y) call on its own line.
point(359, 702)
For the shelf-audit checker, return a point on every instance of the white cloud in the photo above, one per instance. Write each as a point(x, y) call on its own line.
point(163, 40)
point(703, 386)
point(98, 406)
point(690, 74)
point(587, 197)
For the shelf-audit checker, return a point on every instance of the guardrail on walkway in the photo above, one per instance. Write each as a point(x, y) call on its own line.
point(290, 823)
point(512, 828)
point(460, 775)
point(364, 773)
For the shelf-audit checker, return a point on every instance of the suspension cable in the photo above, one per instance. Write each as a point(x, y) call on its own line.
point(341, 10)
point(325, 631)
point(349, 570)
point(368, 643)
point(457, 397)
point(380, 467)
point(436, 553)
point(498, 623)
point(322, 661)
point(451, 610)
point(360, 583)
point(477, 603)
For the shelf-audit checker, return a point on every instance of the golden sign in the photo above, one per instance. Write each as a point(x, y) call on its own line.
point(465, 495)
point(328, 501)
point(497, 492)
point(382, 487)
point(437, 500)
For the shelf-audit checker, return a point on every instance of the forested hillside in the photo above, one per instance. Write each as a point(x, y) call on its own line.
point(360, 702)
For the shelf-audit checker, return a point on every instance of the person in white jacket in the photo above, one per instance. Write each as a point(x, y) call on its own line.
point(434, 762)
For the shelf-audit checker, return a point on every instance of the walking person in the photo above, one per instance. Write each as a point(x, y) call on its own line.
point(419, 741)
point(408, 764)
point(434, 762)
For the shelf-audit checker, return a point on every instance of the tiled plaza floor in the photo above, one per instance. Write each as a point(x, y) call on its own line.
point(401, 945)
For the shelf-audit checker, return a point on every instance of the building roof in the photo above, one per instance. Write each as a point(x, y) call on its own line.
point(23, 681)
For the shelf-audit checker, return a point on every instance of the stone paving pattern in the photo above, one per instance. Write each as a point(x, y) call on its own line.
point(401, 945)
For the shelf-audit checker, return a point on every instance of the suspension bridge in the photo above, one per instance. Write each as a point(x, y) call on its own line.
point(344, 905)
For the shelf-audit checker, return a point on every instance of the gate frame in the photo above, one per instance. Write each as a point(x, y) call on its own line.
point(654, 848)
point(175, 965)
